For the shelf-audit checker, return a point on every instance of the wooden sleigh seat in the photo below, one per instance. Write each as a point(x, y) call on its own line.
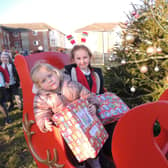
point(133, 145)
point(48, 149)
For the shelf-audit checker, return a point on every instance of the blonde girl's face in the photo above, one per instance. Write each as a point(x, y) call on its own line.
point(48, 80)
point(82, 59)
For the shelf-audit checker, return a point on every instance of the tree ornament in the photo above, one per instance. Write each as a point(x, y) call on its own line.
point(123, 61)
point(113, 57)
point(134, 13)
point(151, 50)
point(129, 38)
point(167, 78)
point(148, 42)
point(143, 69)
point(126, 49)
point(136, 16)
point(108, 68)
point(158, 50)
point(156, 69)
point(132, 89)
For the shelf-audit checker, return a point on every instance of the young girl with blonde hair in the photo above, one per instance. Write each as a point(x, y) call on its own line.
point(53, 91)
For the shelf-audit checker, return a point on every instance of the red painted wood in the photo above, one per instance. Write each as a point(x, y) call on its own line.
point(41, 141)
point(164, 95)
point(134, 145)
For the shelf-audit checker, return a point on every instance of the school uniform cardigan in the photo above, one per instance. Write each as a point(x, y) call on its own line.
point(14, 72)
point(71, 70)
point(97, 72)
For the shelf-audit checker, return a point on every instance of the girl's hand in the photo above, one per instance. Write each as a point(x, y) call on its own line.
point(93, 100)
point(48, 125)
point(6, 85)
point(92, 109)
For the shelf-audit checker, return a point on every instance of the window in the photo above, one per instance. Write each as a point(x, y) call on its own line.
point(15, 34)
point(17, 44)
point(36, 43)
point(53, 43)
point(35, 33)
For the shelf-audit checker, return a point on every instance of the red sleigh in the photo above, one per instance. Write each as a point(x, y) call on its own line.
point(133, 146)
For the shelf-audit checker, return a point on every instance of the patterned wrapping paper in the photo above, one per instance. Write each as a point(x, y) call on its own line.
point(111, 108)
point(84, 133)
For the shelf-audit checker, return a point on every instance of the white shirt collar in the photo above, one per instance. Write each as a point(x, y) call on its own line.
point(86, 73)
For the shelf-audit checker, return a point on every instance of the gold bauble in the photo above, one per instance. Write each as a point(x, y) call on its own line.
point(158, 50)
point(144, 69)
point(129, 38)
point(151, 50)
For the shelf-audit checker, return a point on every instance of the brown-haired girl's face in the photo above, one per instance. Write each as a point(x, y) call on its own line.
point(82, 59)
point(5, 58)
point(48, 80)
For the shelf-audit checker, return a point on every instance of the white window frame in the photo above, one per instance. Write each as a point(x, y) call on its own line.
point(35, 33)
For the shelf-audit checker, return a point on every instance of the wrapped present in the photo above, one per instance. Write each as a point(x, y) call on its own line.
point(83, 132)
point(111, 108)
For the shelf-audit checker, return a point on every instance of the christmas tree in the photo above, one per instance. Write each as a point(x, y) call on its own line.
point(137, 71)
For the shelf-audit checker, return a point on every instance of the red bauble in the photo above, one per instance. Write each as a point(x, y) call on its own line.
point(136, 16)
point(134, 13)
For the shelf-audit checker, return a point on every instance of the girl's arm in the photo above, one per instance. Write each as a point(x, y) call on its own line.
point(42, 112)
point(91, 97)
point(102, 89)
point(73, 90)
point(44, 108)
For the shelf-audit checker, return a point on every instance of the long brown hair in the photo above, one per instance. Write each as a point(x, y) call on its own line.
point(78, 47)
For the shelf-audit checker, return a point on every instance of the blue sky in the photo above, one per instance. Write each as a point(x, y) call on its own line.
point(65, 15)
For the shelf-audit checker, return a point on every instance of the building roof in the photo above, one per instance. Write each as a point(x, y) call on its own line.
point(28, 26)
point(100, 27)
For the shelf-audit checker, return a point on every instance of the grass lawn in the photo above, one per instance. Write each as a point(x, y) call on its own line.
point(14, 152)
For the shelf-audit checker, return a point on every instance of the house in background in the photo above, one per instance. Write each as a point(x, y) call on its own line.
point(31, 37)
point(102, 38)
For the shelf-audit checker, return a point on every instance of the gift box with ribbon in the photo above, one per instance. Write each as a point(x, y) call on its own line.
point(83, 132)
point(111, 108)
